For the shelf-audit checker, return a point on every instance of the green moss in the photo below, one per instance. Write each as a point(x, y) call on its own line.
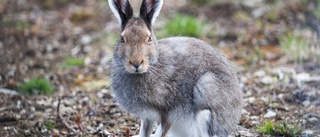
point(272, 16)
point(21, 25)
point(279, 128)
point(48, 4)
point(50, 124)
point(73, 62)
point(36, 86)
point(241, 16)
point(266, 128)
point(183, 25)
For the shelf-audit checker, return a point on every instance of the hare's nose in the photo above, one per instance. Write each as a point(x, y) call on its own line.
point(136, 64)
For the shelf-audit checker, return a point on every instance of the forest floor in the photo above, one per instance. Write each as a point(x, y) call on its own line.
point(274, 45)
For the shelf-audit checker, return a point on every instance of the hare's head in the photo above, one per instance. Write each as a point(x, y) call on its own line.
point(136, 46)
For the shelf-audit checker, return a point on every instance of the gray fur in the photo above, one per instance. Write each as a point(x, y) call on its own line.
point(180, 77)
point(174, 84)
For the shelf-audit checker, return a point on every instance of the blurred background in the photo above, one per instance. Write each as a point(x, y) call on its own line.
point(55, 57)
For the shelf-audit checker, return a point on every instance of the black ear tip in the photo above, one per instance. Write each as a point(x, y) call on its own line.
point(150, 9)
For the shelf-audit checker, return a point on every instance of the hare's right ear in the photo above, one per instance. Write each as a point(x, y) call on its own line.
point(150, 9)
point(122, 10)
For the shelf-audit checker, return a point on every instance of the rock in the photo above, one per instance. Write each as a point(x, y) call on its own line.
point(302, 77)
point(75, 50)
point(300, 94)
point(245, 133)
point(259, 73)
point(252, 3)
point(306, 103)
point(8, 91)
point(259, 12)
point(18, 104)
point(69, 101)
point(245, 112)
point(313, 120)
point(23, 111)
point(87, 49)
point(270, 114)
point(266, 99)
point(312, 95)
point(254, 117)
point(86, 39)
point(267, 80)
point(104, 60)
point(305, 77)
point(49, 48)
point(11, 73)
point(307, 133)
point(88, 61)
point(250, 99)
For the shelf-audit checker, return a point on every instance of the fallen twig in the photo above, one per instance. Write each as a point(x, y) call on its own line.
point(58, 108)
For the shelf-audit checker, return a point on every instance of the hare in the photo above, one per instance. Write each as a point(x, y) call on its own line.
point(181, 84)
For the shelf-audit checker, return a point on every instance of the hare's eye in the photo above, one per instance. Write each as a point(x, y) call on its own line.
point(121, 39)
point(150, 39)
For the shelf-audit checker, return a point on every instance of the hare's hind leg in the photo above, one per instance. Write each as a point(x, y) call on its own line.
point(221, 102)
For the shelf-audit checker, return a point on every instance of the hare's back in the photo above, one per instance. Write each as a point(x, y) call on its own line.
point(186, 52)
point(186, 58)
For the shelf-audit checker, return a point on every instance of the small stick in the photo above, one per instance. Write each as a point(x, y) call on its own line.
point(58, 108)
point(128, 132)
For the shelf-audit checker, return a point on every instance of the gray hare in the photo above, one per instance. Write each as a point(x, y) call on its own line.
point(183, 85)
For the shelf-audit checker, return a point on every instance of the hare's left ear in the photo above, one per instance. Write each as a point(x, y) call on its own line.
point(122, 10)
point(150, 10)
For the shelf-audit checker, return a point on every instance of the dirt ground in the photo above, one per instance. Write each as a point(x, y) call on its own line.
point(37, 36)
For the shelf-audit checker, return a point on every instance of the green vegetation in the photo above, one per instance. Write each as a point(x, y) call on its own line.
point(21, 25)
point(50, 124)
point(183, 25)
point(36, 86)
point(73, 62)
point(296, 46)
point(204, 2)
point(200, 2)
point(272, 16)
point(316, 10)
point(253, 57)
point(51, 4)
point(64, 1)
point(279, 129)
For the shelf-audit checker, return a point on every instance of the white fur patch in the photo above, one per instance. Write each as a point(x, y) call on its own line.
point(114, 10)
point(157, 11)
point(202, 118)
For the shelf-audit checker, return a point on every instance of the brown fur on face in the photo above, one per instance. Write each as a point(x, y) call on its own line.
point(136, 47)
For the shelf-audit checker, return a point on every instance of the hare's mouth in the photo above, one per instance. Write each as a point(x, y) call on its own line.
point(136, 69)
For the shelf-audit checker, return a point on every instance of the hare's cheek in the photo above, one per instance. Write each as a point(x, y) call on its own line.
point(145, 66)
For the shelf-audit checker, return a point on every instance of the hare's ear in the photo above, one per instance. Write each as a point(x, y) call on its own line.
point(122, 10)
point(150, 9)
